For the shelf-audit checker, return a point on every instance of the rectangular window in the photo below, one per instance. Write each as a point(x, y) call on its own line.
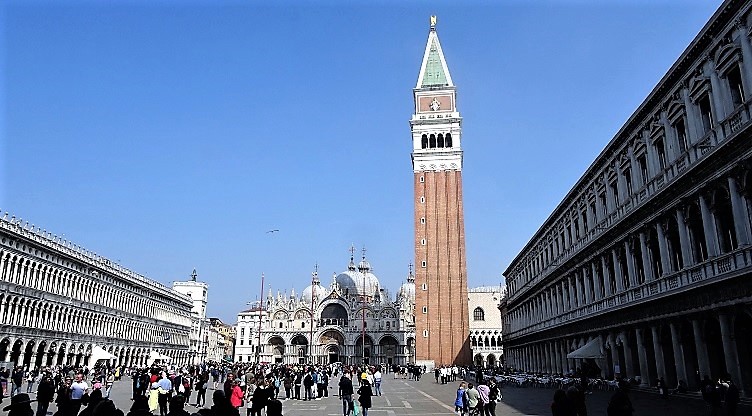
point(615, 193)
point(423, 264)
point(423, 220)
point(643, 164)
point(602, 202)
point(422, 179)
point(706, 113)
point(628, 181)
point(680, 128)
point(425, 309)
point(734, 78)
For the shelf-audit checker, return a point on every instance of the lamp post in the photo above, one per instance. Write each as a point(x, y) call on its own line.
point(314, 278)
point(260, 308)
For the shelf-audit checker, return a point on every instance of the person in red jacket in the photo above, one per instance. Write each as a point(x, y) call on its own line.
point(236, 395)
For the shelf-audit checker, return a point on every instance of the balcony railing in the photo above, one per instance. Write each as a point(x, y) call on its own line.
point(697, 151)
point(695, 275)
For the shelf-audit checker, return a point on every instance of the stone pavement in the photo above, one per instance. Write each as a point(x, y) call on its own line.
point(426, 397)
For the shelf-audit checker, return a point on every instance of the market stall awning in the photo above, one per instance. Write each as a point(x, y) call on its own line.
point(590, 350)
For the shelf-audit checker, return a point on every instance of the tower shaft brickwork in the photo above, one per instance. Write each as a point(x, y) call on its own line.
point(442, 323)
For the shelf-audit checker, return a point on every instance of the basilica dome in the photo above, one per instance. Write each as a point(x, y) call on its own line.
point(319, 291)
point(358, 281)
point(407, 290)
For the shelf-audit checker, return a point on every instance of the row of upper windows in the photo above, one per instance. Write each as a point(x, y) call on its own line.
point(669, 140)
point(432, 141)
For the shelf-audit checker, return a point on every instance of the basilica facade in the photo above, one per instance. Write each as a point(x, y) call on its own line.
point(353, 320)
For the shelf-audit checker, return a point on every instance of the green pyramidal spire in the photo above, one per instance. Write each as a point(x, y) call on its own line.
point(434, 71)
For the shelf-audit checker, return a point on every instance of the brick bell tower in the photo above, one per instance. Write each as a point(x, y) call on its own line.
point(441, 312)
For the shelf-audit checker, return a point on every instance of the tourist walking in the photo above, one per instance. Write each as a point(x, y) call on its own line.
point(731, 398)
point(620, 404)
point(561, 405)
point(494, 394)
point(20, 405)
point(471, 397)
point(201, 386)
point(483, 392)
point(45, 394)
point(364, 396)
point(377, 382)
point(345, 393)
point(459, 401)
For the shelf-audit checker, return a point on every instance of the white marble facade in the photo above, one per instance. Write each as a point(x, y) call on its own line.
point(63, 304)
point(336, 318)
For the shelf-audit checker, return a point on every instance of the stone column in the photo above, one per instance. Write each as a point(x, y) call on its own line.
point(646, 266)
point(720, 111)
point(630, 265)
point(663, 249)
point(686, 250)
point(708, 224)
point(615, 358)
point(741, 217)
point(729, 348)
point(681, 370)
point(628, 364)
point(606, 276)
point(578, 289)
point(642, 354)
point(702, 349)
point(660, 362)
point(588, 286)
point(617, 271)
point(597, 280)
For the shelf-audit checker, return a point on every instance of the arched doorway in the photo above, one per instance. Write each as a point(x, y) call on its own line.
point(15, 353)
point(4, 347)
point(278, 349)
point(491, 361)
point(388, 346)
point(41, 350)
point(478, 360)
point(364, 350)
point(300, 345)
point(28, 354)
point(334, 340)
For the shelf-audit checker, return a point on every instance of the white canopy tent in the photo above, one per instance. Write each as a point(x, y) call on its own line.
point(154, 356)
point(99, 353)
point(590, 350)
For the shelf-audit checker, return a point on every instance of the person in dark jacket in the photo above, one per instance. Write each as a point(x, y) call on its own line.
point(577, 397)
point(345, 393)
point(94, 398)
point(620, 404)
point(260, 397)
point(45, 394)
point(731, 398)
point(561, 405)
point(364, 396)
point(140, 407)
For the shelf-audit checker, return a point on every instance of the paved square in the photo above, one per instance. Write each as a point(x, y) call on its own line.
point(426, 397)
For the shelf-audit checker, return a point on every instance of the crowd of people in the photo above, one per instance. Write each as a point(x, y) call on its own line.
point(250, 389)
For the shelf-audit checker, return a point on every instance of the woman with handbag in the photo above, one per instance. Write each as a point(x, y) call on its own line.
point(364, 396)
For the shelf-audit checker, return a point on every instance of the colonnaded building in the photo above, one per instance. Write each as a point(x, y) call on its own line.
point(62, 304)
point(352, 321)
point(485, 325)
point(645, 268)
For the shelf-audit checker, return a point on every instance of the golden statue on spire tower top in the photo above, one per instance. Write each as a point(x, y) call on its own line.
point(433, 22)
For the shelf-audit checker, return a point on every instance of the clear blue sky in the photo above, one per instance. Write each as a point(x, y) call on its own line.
point(172, 135)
